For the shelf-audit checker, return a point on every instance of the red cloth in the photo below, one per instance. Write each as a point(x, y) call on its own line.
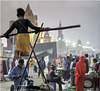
point(80, 84)
point(80, 74)
point(96, 65)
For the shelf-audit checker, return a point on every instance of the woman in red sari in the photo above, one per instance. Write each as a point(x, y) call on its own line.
point(80, 74)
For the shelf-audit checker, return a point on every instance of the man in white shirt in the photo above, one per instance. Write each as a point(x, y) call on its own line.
point(71, 71)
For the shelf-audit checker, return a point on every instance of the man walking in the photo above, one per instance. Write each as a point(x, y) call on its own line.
point(42, 65)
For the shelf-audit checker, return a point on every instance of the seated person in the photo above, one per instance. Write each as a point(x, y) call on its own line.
point(55, 78)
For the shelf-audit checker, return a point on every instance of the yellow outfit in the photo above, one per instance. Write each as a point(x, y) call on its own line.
point(92, 61)
point(32, 63)
point(59, 66)
point(23, 43)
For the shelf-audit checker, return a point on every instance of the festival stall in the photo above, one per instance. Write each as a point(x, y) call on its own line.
point(92, 80)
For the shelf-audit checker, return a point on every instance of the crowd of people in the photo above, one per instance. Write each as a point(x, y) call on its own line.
point(75, 68)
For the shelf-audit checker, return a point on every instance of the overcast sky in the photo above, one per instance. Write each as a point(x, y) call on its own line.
point(83, 12)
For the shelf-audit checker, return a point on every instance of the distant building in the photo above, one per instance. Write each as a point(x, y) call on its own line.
point(61, 46)
point(41, 38)
point(29, 15)
point(79, 48)
point(79, 43)
point(9, 41)
point(33, 18)
point(47, 38)
point(76, 50)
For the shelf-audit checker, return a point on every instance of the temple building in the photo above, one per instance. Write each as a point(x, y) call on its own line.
point(47, 38)
point(79, 43)
point(33, 18)
point(77, 49)
point(61, 46)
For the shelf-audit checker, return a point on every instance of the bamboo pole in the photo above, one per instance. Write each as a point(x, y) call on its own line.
point(49, 29)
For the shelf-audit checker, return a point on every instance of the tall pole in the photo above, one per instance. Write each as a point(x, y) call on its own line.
point(37, 62)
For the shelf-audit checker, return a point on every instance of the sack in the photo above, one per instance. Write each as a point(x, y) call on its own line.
point(12, 88)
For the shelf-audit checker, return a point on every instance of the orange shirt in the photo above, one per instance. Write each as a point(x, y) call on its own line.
point(80, 69)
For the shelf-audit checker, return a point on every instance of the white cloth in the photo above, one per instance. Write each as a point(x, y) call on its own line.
point(71, 65)
point(30, 73)
point(16, 62)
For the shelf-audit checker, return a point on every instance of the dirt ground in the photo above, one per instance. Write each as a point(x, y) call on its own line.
point(5, 85)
